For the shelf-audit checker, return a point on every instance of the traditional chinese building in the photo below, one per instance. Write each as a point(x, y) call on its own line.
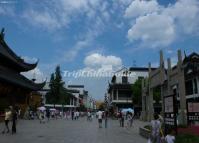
point(181, 80)
point(15, 89)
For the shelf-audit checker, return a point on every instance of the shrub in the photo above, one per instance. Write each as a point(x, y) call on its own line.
point(187, 138)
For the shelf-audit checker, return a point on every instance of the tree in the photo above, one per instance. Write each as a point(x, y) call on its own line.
point(57, 94)
point(157, 94)
point(137, 92)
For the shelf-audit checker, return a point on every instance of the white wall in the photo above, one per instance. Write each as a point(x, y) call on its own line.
point(132, 77)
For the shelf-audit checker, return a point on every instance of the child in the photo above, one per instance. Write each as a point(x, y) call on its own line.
point(170, 138)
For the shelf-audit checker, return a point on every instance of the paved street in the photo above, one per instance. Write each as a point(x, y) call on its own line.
point(63, 131)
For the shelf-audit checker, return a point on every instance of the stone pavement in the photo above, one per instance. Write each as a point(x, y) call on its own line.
point(67, 131)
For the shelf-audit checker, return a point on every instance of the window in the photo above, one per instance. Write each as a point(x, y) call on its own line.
point(189, 87)
point(195, 86)
point(114, 95)
point(124, 79)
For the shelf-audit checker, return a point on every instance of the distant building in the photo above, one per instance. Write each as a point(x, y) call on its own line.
point(72, 103)
point(120, 89)
point(82, 95)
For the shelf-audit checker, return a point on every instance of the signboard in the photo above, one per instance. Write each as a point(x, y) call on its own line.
point(170, 112)
point(193, 111)
point(168, 106)
point(193, 107)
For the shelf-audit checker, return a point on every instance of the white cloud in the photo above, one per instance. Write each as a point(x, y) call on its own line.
point(55, 15)
point(186, 15)
point(37, 74)
point(97, 60)
point(86, 40)
point(140, 8)
point(6, 10)
point(157, 26)
point(159, 32)
point(44, 19)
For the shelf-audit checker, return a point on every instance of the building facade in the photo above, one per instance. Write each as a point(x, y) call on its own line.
point(120, 89)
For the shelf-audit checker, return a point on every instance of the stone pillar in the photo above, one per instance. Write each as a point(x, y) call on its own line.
point(162, 78)
point(150, 98)
point(169, 92)
point(161, 59)
point(143, 113)
point(181, 88)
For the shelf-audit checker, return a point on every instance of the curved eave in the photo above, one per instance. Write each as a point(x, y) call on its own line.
point(20, 80)
point(27, 67)
point(39, 86)
point(11, 56)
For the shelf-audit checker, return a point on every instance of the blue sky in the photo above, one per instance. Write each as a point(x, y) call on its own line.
point(98, 34)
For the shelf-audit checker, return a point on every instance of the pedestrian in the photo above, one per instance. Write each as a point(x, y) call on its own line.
point(121, 118)
point(8, 115)
point(129, 119)
point(14, 119)
point(106, 118)
point(170, 138)
point(72, 115)
point(155, 129)
point(88, 116)
point(48, 114)
point(99, 114)
point(41, 117)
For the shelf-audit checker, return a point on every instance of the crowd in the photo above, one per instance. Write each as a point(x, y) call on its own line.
point(125, 120)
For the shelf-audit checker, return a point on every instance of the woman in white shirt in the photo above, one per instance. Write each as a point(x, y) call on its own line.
point(155, 129)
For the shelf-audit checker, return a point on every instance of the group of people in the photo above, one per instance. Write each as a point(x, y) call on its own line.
point(102, 115)
point(157, 135)
point(75, 115)
point(10, 115)
point(129, 119)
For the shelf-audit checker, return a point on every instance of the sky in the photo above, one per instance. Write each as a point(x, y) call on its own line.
point(98, 36)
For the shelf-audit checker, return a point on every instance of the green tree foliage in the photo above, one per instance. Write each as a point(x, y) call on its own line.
point(157, 94)
point(57, 94)
point(137, 92)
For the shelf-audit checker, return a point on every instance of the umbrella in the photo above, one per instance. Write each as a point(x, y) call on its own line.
point(52, 109)
point(42, 108)
point(130, 110)
point(127, 110)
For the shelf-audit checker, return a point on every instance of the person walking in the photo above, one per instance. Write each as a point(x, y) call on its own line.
point(8, 115)
point(14, 119)
point(129, 119)
point(48, 114)
point(106, 118)
point(155, 130)
point(99, 113)
point(121, 118)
